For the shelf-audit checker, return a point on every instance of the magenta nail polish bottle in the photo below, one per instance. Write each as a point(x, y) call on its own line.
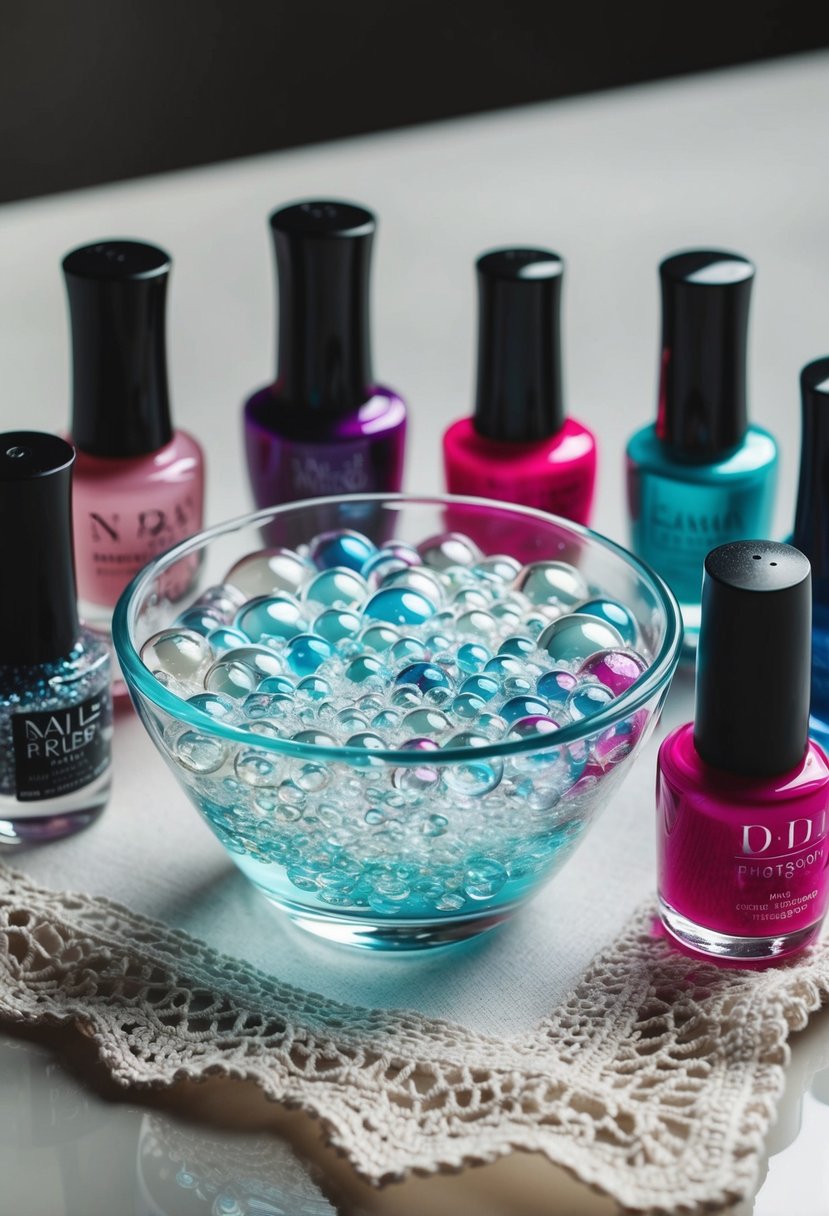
point(742, 793)
point(324, 426)
point(519, 446)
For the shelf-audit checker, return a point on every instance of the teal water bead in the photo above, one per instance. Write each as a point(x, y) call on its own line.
point(470, 597)
point(517, 645)
point(473, 775)
point(271, 616)
point(483, 878)
point(498, 569)
point(503, 665)
point(476, 621)
point(386, 720)
point(472, 656)
point(448, 549)
point(552, 583)
point(615, 614)
point(231, 679)
point(180, 653)
point(259, 658)
point(345, 548)
point(466, 707)
point(425, 676)
point(269, 571)
point(315, 688)
point(337, 624)
point(517, 686)
point(523, 707)
point(261, 705)
point(399, 606)
point(366, 740)
point(379, 638)
point(490, 724)
point(314, 737)
point(220, 708)
point(429, 723)
point(198, 753)
point(588, 699)
point(283, 685)
point(225, 638)
point(408, 650)
point(436, 642)
point(556, 685)
point(306, 652)
point(417, 578)
point(336, 588)
point(365, 667)
point(351, 720)
point(200, 620)
point(481, 685)
point(572, 638)
point(391, 558)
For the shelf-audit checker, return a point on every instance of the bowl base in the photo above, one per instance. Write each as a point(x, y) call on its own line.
point(393, 936)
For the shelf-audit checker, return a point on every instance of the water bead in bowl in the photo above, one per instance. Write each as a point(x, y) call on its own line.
point(306, 652)
point(523, 707)
point(180, 653)
point(399, 606)
point(467, 706)
point(423, 676)
point(588, 699)
point(448, 549)
point(517, 646)
point(267, 705)
point(337, 624)
point(392, 557)
point(476, 775)
point(556, 685)
point(481, 685)
point(472, 656)
point(225, 638)
point(573, 638)
point(314, 688)
point(200, 620)
point(263, 661)
point(269, 571)
point(418, 578)
point(470, 597)
point(336, 588)
point(426, 723)
point(271, 616)
point(277, 684)
point(552, 583)
point(477, 621)
point(366, 667)
point(344, 548)
point(616, 614)
point(379, 638)
point(618, 670)
point(221, 709)
point(500, 568)
point(231, 679)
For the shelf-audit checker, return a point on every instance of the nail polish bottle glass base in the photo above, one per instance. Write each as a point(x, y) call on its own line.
point(704, 940)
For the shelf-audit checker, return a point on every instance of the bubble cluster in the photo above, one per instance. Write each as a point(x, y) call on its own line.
point(384, 659)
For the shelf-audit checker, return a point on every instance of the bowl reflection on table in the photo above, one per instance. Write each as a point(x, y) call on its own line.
point(394, 848)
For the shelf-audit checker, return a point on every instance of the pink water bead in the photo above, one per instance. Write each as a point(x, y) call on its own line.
point(616, 669)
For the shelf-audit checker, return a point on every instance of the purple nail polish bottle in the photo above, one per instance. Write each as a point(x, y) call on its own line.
point(324, 427)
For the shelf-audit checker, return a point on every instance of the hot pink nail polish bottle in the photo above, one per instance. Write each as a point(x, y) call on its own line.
point(518, 446)
point(139, 485)
point(742, 793)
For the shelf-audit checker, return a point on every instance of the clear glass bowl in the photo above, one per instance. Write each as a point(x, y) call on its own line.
point(395, 849)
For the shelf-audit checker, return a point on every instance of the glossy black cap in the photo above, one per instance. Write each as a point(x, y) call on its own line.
point(811, 524)
point(519, 393)
point(38, 609)
point(323, 259)
point(117, 301)
point(754, 658)
point(702, 383)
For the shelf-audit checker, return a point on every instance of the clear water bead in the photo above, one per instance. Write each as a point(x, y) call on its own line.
point(587, 699)
point(221, 709)
point(269, 571)
point(198, 753)
point(270, 616)
point(615, 614)
point(448, 549)
point(231, 679)
point(180, 653)
point(260, 659)
point(337, 587)
point(573, 638)
point(552, 583)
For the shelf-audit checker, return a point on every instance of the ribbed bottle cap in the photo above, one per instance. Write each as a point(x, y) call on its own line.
point(38, 610)
point(323, 259)
point(811, 525)
point(117, 299)
point(519, 391)
point(702, 387)
point(754, 658)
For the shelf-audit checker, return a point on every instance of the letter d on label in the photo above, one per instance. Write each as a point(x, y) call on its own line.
point(748, 838)
point(799, 836)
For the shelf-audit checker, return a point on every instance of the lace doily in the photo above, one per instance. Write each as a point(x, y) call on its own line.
point(655, 1080)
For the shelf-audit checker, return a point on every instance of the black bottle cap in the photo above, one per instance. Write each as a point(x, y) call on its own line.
point(519, 395)
point(117, 296)
point(754, 658)
point(811, 524)
point(323, 258)
point(38, 612)
point(702, 384)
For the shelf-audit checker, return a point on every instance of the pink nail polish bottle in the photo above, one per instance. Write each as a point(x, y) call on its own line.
point(742, 793)
point(138, 486)
point(518, 446)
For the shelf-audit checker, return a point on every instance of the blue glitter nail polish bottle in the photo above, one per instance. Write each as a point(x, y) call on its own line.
point(55, 704)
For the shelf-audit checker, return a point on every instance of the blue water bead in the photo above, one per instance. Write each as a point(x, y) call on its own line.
point(425, 676)
point(498, 570)
point(379, 638)
point(481, 685)
point(588, 699)
point(574, 637)
point(472, 656)
point(418, 578)
point(269, 571)
point(277, 684)
point(259, 658)
point(336, 624)
point(467, 706)
point(366, 740)
point(503, 665)
point(346, 548)
point(615, 614)
point(386, 720)
point(555, 686)
point(225, 638)
point(200, 620)
point(399, 606)
point(365, 667)
point(448, 549)
point(552, 583)
point(336, 588)
point(315, 688)
point(270, 616)
point(438, 642)
point(517, 646)
point(523, 707)
point(306, 652)
point(213, 704)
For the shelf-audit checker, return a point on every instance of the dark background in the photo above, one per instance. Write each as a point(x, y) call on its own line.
point(97, 90)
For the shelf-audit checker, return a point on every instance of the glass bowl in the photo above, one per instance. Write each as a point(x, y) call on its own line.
point(397, 848)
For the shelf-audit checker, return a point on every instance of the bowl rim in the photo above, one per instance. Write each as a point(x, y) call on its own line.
point(140, 679)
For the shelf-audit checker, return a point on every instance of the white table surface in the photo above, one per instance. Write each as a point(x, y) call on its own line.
point(613, 182)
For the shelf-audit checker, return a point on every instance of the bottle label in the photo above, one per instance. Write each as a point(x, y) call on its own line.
point(58, 751)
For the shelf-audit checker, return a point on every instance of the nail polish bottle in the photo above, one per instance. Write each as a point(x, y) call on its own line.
point(138, 485)
point(55, 705)
point(742, 793)
point(324, 427)
point(701, 476)
point(518, 446)
point(811, 527)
